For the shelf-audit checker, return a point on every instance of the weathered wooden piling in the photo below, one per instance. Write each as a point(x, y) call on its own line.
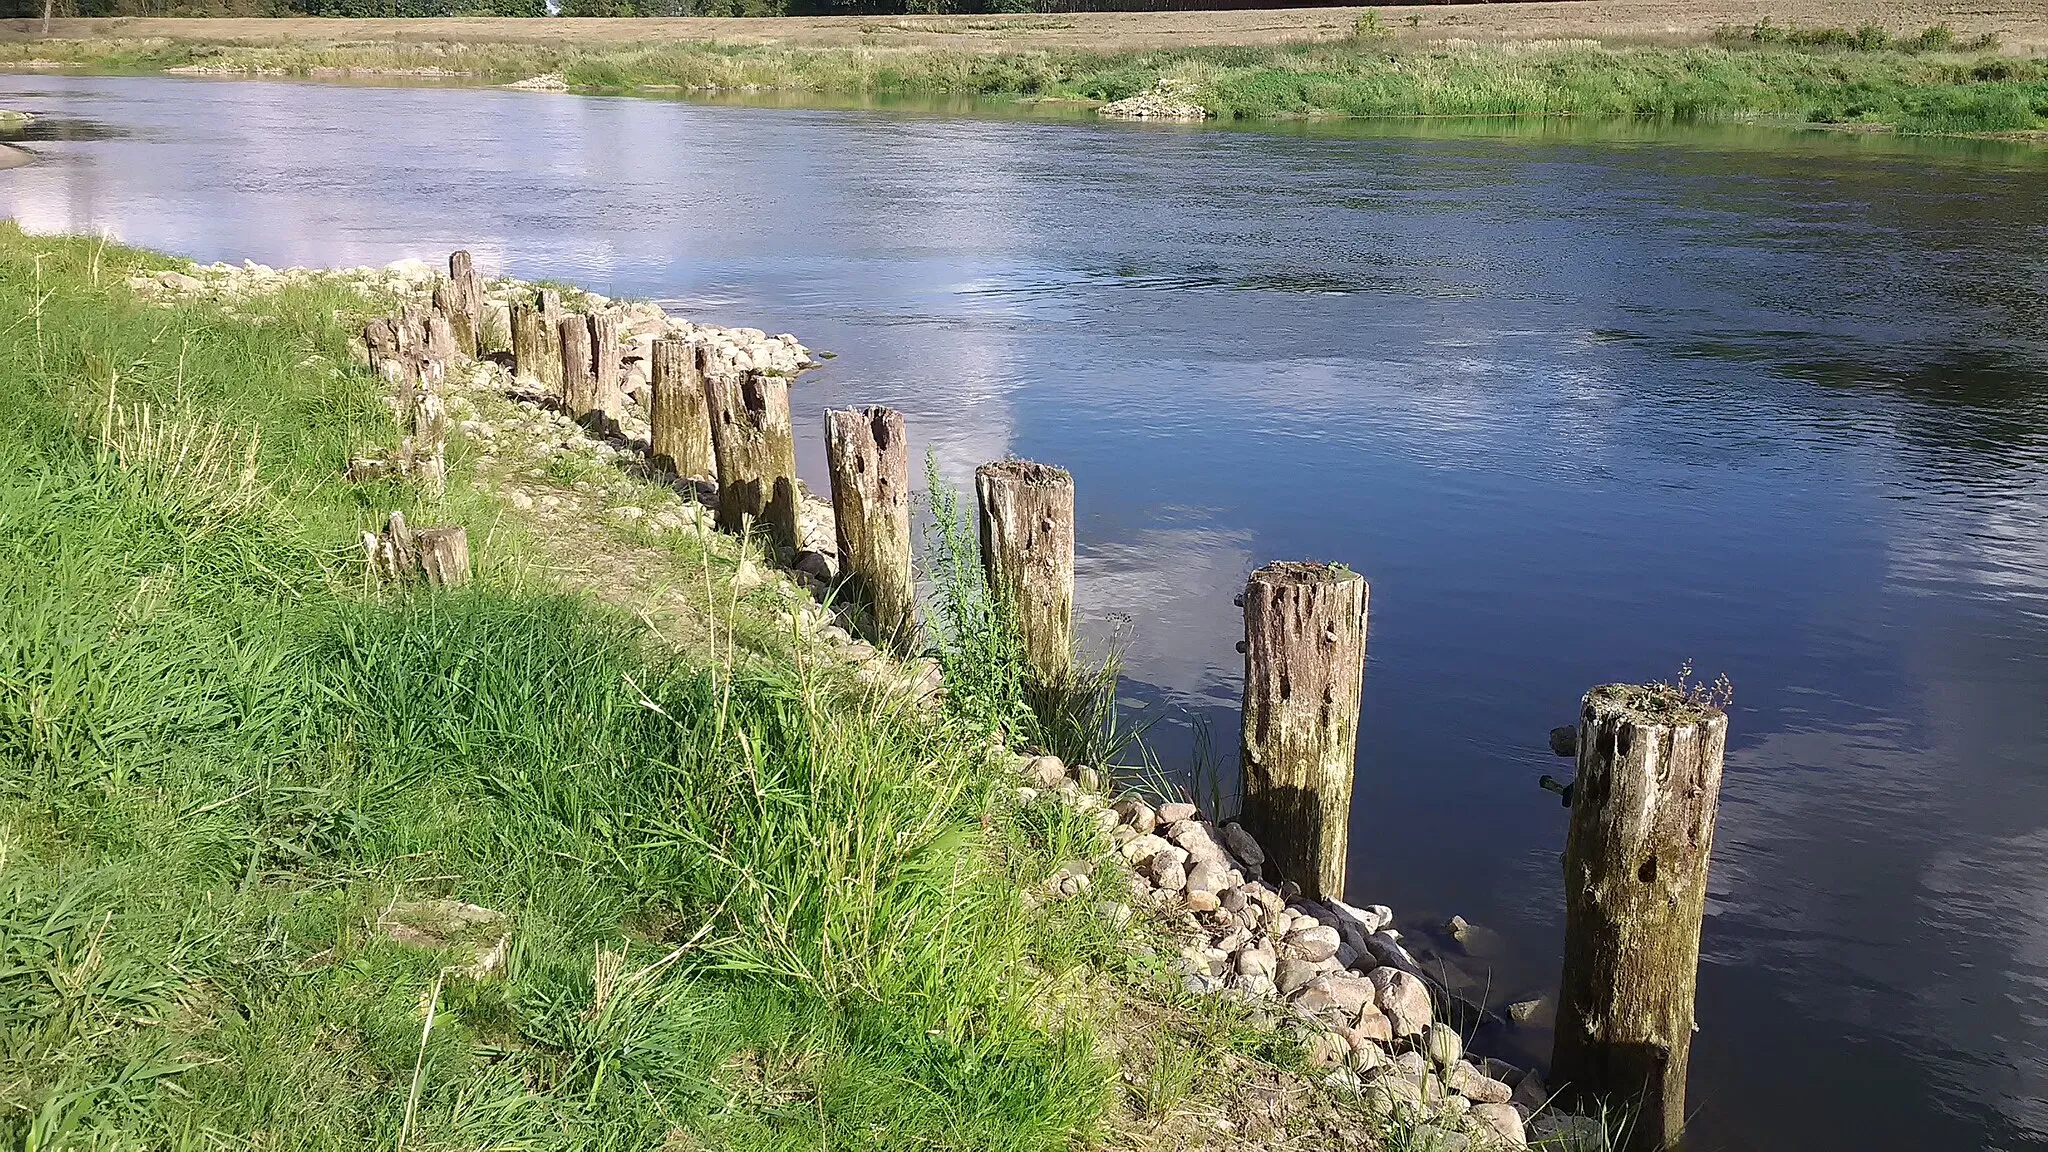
point(436, 351)
point(441, 343)
point(608, 401)
point(870, 465)
point(680, 426)
point(1027, 552)
point(536, 350)
point(1304, 658)
point(465, 303)
point(449, 310)
point(579, 386)
point(1635, 862)
point(756, 451)
point(438, 557)
point(423, 449)
point(411, 325)
point(380, 342)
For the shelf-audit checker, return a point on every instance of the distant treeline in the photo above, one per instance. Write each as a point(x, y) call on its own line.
point(18, 9)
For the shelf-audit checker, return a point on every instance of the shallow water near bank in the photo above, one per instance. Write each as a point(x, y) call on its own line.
point(1582, 402)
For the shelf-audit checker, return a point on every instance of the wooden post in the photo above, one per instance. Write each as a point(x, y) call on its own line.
point(423, 450)
point(401, 554)
point(1304, 663)
point(608, 403)
point(380, 338)
point(448, 309)
point(536, 350)
point(444, 555)
point(680, 424)
point(870, 465)
point(1635, 863)
point(442, 343)
point(435, 352)
point(466, 300)
point(756, 451)
point(1027, 553)
point(411, 323)
point(579, 390)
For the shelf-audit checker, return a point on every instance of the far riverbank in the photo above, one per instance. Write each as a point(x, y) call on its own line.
point(1937, 78)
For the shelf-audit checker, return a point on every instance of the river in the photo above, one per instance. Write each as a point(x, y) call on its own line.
point(1581, 403)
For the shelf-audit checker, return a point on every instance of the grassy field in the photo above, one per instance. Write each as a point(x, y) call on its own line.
point(1970, 74)
point(734, 899)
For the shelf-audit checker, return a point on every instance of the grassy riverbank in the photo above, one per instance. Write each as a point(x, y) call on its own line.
point(735, 898)
point(1926, 79)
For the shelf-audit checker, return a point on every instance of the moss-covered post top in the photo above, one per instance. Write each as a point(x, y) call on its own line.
point(1656, 705)
point(1303, 572)
point(1029, 473)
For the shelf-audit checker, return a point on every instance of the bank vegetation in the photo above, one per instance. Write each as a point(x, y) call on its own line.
point(1924, 81)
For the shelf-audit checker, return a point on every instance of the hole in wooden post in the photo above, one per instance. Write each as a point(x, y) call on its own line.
point(1648, 872)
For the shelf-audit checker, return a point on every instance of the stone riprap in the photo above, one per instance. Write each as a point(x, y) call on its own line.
point(1363, 1007)
point(1162, 102)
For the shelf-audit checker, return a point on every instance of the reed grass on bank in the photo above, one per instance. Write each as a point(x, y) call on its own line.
point(1912, 84)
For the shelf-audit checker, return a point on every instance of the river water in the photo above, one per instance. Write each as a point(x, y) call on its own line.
point(1582, 404)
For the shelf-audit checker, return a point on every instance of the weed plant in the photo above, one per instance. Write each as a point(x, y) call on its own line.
point(976, 641)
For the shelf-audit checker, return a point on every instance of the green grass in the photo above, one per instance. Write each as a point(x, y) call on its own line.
point(1925, 82)
point(747, 906)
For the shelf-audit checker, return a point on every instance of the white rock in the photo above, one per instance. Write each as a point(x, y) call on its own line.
point(1138, 814)
point(1209, 876)
point(1373, 1023)
point(1313, 943)
point(1366, 920)
point(1166, 871)
point(1328, 1050)
point(1403, 998)
point(1199, 839)
point(1293, 974)
point(1044, 771)
point(1145, 847)
point(1497, 1125)
point(1444, 1046)
point(1351, 994)
point(1473, 1084)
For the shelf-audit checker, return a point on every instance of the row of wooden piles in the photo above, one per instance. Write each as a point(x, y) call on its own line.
point(1648, 781)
